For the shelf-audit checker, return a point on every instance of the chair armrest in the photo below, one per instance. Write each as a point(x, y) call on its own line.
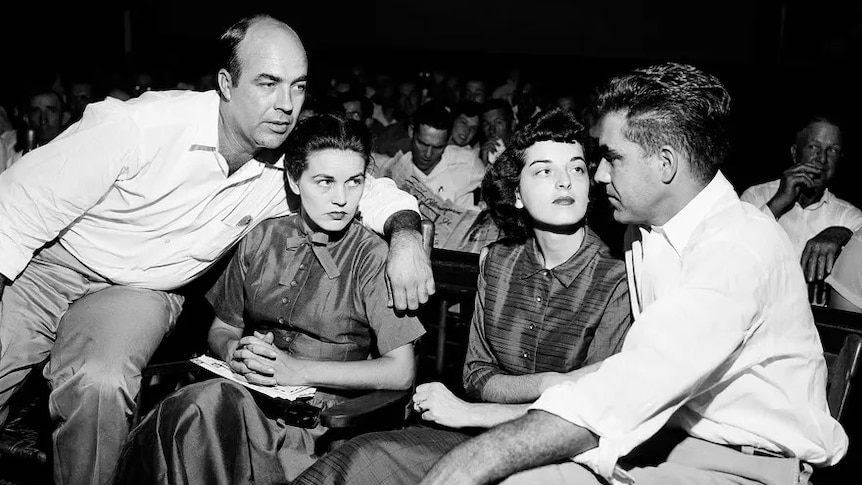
point(377, 408)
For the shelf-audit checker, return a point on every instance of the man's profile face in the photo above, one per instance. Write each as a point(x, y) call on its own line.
point(475, 91)
point(819, 144)
point(266, 99)
point(464, 129)
point(631, 179)
point(45, 116)
point(495, 126)
point(427, 147)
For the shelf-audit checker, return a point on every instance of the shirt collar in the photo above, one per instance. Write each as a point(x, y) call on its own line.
point(530, 261)
point(824, 200)
point(679, 228)
point(206, 136)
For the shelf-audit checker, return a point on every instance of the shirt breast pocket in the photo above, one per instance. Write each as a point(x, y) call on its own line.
point(219, 236)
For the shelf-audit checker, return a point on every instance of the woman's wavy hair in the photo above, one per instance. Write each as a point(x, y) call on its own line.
point(322, 132)
point(502, 178)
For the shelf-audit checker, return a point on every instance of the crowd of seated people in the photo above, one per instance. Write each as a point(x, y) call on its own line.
point(709, 276)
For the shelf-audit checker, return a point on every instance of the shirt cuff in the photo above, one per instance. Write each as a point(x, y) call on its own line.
point(382, 199)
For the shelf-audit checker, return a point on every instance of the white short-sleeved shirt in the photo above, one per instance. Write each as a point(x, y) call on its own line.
point(138, 192)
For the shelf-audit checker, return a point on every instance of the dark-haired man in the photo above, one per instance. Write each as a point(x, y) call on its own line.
point(721, 378)
point(818, 223)
point(497, 123)
point(143, 197)
point(450, 172)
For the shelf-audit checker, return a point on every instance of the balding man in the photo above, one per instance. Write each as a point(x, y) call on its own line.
point(142, 197)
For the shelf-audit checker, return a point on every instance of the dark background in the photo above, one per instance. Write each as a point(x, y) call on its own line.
point(777, 58)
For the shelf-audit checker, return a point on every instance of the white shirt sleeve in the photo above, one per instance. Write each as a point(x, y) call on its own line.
point(670, 353)
point(846, 277)
point(381, 199)
point(850, 217)
point(758, 196)
point(49, 188)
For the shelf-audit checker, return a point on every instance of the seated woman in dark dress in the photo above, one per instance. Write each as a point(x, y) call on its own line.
point(302, 302)
point(552, 303)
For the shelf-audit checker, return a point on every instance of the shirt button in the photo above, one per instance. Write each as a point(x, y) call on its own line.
point(167, 240)
point(547, 273)
point(301, 266)
point(531, 326)
point(539, 299)
point(284, 300)
point(280, 321)
point(526, 355)
point(293, 283)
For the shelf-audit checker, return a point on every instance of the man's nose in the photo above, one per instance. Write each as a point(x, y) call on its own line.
point(283, 101)
point(603, 173)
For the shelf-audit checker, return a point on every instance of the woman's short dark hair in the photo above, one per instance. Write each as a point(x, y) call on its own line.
point(324, 132)
point(502, 178)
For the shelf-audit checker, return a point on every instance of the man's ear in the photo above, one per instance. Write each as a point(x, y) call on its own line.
point(294, 187)
point(793, 154)
point(410, 131)
point(669, 160)
point(225, 83)
point(519, 204)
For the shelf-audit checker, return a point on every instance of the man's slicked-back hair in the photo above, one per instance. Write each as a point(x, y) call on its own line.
point(435, 115)
point(504, 176)
point(229, 41)
point(673, 104)
point(500, 104)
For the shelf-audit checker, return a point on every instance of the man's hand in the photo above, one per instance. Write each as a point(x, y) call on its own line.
point(793, 181)
point(409, 279)
point(438, 404)
point(822, 250)
point(490, 151)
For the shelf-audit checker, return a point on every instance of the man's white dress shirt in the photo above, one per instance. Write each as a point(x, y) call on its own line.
point(803, 223)
point(138, 192)
point(454, 178)
point(723, 345)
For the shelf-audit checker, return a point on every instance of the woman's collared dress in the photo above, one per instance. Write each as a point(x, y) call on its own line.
point(322, 300)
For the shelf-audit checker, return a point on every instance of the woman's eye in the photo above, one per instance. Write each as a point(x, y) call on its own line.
point(543, 171)
point(354, 182)
point(324, 183)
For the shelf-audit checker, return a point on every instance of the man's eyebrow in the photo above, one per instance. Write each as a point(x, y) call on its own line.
point(538, 161)
point(608, 153)
point(269, 77)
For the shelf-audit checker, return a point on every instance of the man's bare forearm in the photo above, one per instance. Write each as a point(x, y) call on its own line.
point(537, 439)
point(402, 220)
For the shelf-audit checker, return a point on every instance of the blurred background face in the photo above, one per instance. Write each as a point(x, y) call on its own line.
point(475, 91)
point(45, 116)
point(353, 110)
point(427, 147)
point(820, 144)
point(330, 188)
point(464, 129)
point(555, 185)
point(495, 126)
point(80, 95)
